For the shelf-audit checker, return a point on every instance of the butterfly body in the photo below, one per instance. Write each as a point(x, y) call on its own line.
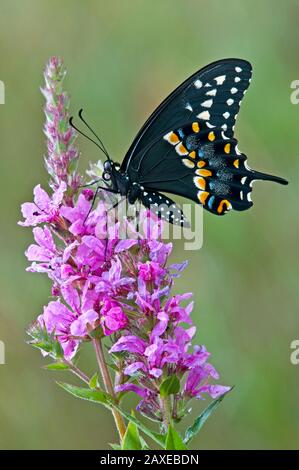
point(187, 148)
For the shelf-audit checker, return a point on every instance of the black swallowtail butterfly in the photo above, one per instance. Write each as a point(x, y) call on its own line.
point(187, 147)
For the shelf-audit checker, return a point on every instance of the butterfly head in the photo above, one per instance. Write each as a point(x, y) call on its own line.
point(112, 174)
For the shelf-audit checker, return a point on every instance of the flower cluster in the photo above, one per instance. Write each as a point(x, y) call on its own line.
point(119, 287)
point(104, 285)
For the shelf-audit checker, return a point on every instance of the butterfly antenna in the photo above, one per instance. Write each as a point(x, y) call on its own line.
point(93, 132)
point(88, 138)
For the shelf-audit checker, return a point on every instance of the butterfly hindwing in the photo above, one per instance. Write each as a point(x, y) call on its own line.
point(164, 207)
point(203, 165)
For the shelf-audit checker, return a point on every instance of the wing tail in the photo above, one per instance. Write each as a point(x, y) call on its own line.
point(257, 175)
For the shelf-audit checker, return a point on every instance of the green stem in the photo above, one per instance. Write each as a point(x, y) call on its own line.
point(77, 371)
point(167, 411)
point(120, 425)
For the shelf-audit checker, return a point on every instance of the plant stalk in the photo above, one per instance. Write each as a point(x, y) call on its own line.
point(167, 411)
point(120, 425)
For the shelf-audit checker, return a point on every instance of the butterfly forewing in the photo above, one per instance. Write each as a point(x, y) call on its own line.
point(213, 93)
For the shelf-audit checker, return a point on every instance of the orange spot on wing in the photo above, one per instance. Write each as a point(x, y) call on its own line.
point(223, 206)
point(201, 163)
point(181, 149)
point(202, 196)
point(204, 172)
point(227, 148)
point(172, 138)
point(200, 182)
point(192, 154)
point(236, 163)
point(195, 127)
point(211, 136)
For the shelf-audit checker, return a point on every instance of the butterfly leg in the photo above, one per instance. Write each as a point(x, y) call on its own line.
point(95, 196)
point(90, 184)
point(116, 204)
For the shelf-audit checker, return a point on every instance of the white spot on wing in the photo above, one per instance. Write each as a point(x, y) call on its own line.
point(211, 92)
point(204, 115)
point(234, 90)
point(198, 84)
point(189, 107)
point(226, 115)
point(243, 180)
point(238, 69)
point(230, 101)
point(237, 150)
point(237, 79)
point(224, 127)
point(210, 125)
point(224, 136)
point(207, 104)
point(220, 79)
point(188, 164)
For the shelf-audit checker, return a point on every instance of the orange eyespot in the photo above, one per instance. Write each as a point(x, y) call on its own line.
point(224, 206)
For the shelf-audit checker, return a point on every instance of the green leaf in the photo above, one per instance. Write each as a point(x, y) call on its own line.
point(200, 421)
point(93, 383)
point(170, 386)
point(144, 444)
point(96, 396)
point(56, 366)
point(158, 438)
point(174, 440)
point(113, 367)
point(44, 341)
point(131, 439)
point(115, 446)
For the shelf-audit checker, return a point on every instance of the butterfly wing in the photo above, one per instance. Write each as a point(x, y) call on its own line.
point(164, 207)
point(206, 91)
point(187, 146)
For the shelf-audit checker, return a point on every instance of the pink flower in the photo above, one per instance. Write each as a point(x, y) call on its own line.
point(151, 271)
point(69, 324)
point(112, 317)
point(194, 388)
point(44, 208)
point(57, 319)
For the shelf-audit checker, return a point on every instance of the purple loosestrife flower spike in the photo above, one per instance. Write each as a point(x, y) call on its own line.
point(110, 288)
point(62, 158)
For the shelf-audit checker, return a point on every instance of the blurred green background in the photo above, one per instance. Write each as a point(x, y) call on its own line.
point(123, 57)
